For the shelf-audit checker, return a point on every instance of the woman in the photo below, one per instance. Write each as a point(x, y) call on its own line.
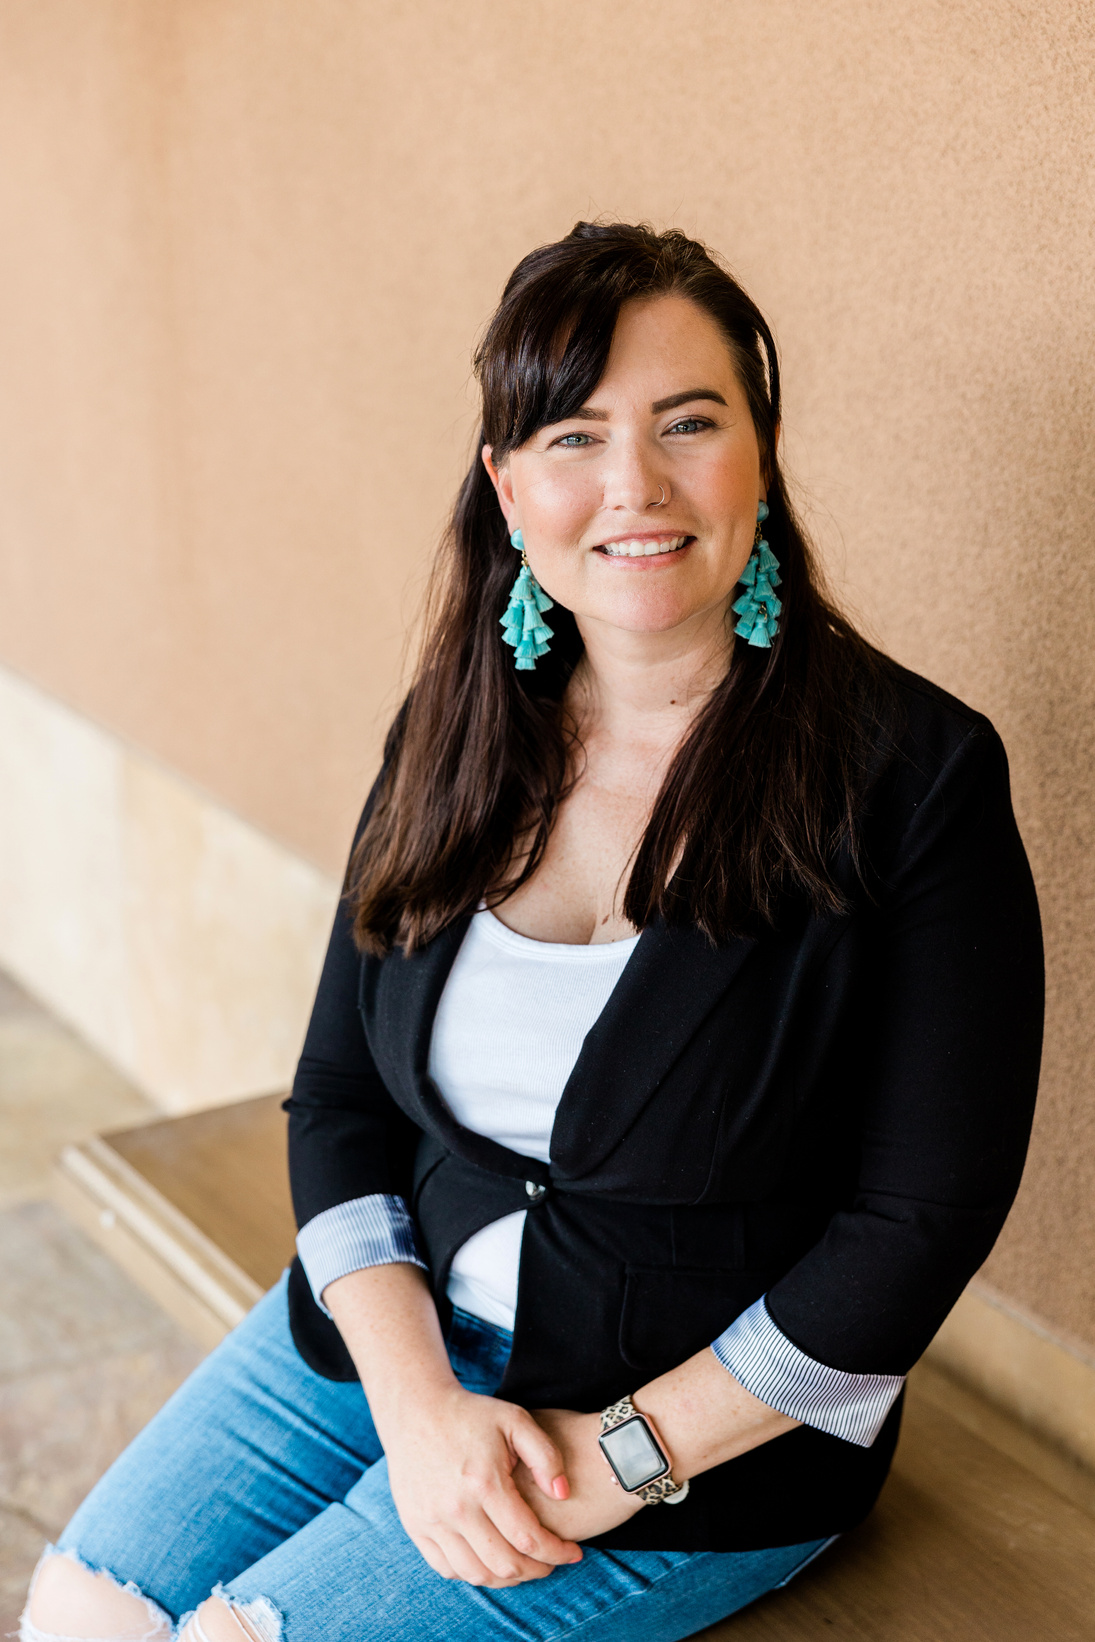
point(670, 1072)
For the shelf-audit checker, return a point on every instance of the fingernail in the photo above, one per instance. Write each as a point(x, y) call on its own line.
point(560, 1488)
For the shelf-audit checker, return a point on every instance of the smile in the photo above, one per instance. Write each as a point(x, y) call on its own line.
point(642, 547)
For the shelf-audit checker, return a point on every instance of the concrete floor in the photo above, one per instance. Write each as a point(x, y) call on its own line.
point(85, 1357)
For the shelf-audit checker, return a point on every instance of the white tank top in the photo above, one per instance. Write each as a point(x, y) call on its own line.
point(509, 1027)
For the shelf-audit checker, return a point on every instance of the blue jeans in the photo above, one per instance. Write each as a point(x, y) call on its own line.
point(262, 1479)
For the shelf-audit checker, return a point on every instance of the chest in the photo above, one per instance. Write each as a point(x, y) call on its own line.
point(510, 1025)
point(701, 1066)
point(576, 894)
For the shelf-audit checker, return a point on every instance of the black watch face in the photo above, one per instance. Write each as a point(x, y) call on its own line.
point(633, 1454)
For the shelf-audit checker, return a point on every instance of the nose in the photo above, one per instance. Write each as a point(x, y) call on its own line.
point(632, 482)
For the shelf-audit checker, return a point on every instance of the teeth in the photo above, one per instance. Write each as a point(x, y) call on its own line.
point(643, 549)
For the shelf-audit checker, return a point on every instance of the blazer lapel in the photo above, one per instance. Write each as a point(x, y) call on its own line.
point(672, 982)
point(398, 1001)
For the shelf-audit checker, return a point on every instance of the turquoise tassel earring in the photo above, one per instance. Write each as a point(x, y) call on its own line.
point(521, 624)
point(758, 606)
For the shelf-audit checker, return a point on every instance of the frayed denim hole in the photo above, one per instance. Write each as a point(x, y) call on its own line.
point(161, 1629)
point(258, 1611)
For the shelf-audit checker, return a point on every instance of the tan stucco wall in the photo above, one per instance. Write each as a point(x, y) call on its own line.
point(245, 246)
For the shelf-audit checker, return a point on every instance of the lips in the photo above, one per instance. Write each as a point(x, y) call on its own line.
point(643, 547)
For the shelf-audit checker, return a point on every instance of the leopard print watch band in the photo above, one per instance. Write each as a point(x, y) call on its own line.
point(663, 1490)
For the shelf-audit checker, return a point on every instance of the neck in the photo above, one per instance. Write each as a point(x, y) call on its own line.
point(649, 686)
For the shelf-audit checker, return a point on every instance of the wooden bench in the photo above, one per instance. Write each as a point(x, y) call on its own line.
point(968, 1543)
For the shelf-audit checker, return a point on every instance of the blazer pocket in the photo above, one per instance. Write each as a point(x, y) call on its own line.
point(670, 1313)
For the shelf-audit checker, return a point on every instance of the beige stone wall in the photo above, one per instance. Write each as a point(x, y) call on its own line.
point(244, 249)
point(178, 939)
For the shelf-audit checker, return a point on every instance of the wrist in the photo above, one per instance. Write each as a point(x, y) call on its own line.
point(638, 1457)
point(420, 1396)
point(706, 1416)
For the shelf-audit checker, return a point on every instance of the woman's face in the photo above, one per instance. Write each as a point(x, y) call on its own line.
point(669, 419)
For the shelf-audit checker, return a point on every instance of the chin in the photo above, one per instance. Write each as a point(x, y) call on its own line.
point(650, 615)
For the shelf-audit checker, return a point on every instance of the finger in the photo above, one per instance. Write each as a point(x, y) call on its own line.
point(519, 1525)
point(432, 1553)
point(465, 1563)
point(531, 1443)
point(497, 1554)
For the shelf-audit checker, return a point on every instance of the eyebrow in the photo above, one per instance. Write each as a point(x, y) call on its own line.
point(586, 413)
point(685, 398)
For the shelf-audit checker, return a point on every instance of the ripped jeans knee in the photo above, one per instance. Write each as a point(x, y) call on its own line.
point(70, 1601)
point(224, 1618)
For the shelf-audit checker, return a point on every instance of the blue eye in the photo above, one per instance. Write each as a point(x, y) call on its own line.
point(688, 424)
point(571, 440)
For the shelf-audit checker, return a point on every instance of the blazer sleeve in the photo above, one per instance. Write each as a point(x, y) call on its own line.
point(948, 1073)
point(348, 1139)
point(367, 1231)
point(765, 1362)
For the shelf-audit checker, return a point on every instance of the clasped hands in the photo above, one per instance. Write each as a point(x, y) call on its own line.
point(494, 1495)
point(488, 1492)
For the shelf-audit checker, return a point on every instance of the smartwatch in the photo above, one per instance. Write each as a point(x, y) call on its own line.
point(636, 1456)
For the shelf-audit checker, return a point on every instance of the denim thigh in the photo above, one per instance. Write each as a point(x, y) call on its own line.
point(251, 1447)
point(267, 1481)
point(352, 1575)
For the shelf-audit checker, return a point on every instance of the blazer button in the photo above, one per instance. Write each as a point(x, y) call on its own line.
point(536, 1192)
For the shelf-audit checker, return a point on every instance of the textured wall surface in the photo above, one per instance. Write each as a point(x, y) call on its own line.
point(245, 247)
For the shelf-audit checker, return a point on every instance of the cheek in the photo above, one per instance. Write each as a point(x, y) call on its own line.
point(738, 554)
point(725, 490)
point(556, 513)
point(564, 574)
point(558, 506)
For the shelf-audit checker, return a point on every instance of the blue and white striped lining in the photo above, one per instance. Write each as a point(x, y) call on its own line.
point(367, 1231)
point(763, 1360)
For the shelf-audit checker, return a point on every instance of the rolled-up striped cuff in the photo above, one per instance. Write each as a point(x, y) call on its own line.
point(366, 1231)
point(763, 1360)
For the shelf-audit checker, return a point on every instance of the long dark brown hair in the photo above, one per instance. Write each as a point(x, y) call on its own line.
point(765, 787)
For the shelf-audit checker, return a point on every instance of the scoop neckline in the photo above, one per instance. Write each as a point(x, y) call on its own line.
point(503, 935)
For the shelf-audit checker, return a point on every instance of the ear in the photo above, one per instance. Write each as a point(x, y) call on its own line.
point(503, 487)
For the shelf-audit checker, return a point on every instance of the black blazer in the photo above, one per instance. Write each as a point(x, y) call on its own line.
point(834, 1114)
